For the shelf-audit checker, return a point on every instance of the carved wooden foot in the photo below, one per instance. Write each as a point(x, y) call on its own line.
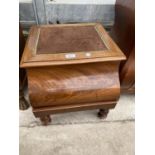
point(103, 113)
point(45, 119)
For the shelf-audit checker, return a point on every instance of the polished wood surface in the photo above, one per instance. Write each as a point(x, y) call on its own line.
point(45, 111)
point(60, 83)
point(123, 33)
point(127, 74)
point(73, 84)
point(31, 58)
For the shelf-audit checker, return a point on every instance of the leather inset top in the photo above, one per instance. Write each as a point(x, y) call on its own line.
point(69, 39)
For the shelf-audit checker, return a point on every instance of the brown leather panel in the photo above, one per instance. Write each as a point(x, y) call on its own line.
point(69, 39)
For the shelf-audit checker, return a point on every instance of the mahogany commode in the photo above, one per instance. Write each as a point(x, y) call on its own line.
point(71, 67)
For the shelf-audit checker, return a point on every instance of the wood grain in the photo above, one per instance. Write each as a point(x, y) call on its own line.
point(123, 33)
point(87, 81)
point(31, 58)
point(45, 111)
point(127, 73)
point(72, 84)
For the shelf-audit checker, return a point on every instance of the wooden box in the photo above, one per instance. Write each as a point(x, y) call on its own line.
point(71, 67)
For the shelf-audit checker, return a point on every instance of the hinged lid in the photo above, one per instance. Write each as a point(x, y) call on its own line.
point(69, 44)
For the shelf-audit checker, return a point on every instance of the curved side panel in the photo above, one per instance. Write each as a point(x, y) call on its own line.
point(73, 84)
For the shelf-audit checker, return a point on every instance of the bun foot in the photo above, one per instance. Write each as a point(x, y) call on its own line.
point(102, 114)
point(45, 120)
